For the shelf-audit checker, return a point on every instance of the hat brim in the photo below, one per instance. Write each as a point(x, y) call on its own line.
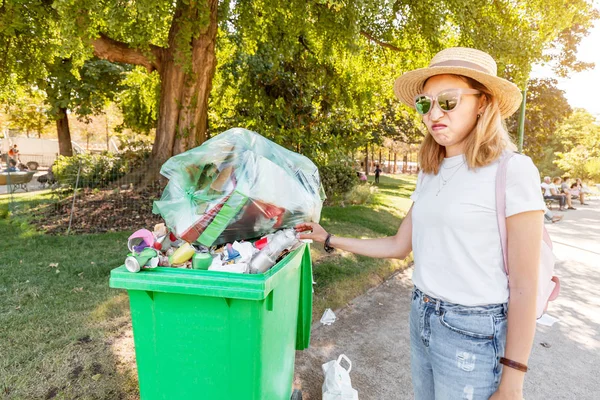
point(507, 93)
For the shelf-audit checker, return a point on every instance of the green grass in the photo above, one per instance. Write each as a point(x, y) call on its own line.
point(55, 321)
point(59, 319)
point(343, 276)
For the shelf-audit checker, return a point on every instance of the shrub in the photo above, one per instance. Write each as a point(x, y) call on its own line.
point(134, 149)
point(360, 194)
point(338, 180)
point(97, 170)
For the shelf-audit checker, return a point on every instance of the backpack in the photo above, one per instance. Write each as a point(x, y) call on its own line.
point(548, 283)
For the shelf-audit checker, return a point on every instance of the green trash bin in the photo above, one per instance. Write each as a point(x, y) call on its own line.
point(217, 335)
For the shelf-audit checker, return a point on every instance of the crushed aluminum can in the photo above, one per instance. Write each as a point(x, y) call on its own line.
point(132, 264)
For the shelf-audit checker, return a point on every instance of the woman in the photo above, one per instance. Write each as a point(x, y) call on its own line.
point(577, 191)
point(583, 187)
point(469, 339)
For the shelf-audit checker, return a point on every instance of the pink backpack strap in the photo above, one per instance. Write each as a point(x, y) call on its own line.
point(501, 208)
point(501, 204)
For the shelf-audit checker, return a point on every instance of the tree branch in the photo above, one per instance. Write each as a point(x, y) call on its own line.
point(302, 41)
point(379, 42)
point(115, 51)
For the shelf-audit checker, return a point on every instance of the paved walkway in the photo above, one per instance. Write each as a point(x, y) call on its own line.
point(373, 330)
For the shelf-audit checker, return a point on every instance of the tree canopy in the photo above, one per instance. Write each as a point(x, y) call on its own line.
point(313, 75)
point(546, 108)
point(28, 112)
point(579, 136)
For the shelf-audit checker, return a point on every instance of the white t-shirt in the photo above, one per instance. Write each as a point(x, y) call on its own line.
point(547, 188)
point(455, 236)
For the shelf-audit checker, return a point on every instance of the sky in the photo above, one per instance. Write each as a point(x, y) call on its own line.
point(581, 88)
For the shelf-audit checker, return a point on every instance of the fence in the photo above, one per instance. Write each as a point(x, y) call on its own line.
point(35, 161)
point(85, 197)
point(32, 161)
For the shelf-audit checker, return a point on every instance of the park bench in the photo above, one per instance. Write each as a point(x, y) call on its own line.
point(16, 180)
point(549, 203)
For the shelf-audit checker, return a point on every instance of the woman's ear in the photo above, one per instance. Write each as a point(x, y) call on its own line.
point(483, 102)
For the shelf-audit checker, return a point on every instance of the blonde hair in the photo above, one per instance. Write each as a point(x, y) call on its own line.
point(483, 145)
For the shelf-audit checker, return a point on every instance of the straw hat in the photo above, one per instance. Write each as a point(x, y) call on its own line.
point(472, 63)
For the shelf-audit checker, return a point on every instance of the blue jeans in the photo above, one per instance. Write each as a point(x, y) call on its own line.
point(455, 350)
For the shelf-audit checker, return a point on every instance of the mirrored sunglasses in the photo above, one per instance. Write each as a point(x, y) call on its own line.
point(448, 100)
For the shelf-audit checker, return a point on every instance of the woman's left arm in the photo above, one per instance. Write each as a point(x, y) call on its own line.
point(524, 233)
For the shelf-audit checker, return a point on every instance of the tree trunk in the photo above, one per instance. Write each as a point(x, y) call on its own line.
point(373, 156)
point(389, 161)
point(64, 134)
point(183, 108)
point(395, 160)
point(186, 82)
point(380, 158)
point(107, 136)
point(367, 159)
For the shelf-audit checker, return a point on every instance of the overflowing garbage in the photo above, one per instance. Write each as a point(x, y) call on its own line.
point(230, 205)
point(151, 249)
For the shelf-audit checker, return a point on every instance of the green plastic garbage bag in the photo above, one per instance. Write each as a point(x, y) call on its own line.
point(238, 185)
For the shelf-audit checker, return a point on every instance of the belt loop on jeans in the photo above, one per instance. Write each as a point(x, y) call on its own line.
point(437, 307)
point(505, 308)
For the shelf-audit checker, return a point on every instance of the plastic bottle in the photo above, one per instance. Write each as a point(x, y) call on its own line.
point(182, 254)
point(265, 259)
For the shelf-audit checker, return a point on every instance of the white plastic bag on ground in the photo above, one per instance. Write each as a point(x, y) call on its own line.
point(328, 317)
point(337, 385)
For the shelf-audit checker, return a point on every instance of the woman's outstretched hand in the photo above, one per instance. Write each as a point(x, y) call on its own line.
point(311, 230)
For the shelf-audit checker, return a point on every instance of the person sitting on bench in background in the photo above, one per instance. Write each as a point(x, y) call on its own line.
point(548, 187)
point(565, 185)
point(577, 191)
point(583, 187)
point(559, 191)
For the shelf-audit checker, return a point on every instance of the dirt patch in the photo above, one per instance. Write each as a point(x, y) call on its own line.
point(75, 373)
point(96, 368)
point(51, 393)
point(99, 211)
point(84, 339)
point(124, 351)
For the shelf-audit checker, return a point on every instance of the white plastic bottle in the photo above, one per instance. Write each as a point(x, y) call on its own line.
point(266, 258)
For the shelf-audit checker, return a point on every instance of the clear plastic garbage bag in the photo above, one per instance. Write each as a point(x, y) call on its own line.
point(238, 185)
point(337, 384)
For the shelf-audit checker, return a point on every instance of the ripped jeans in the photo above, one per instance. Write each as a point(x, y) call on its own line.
point(455, 350)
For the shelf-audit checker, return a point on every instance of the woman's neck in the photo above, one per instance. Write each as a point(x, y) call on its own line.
point(454, 150)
